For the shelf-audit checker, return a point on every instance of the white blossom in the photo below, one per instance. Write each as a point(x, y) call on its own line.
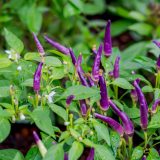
point(50, 97)
point(19, 68)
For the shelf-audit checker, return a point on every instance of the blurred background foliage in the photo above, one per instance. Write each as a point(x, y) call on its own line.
point(81, 23)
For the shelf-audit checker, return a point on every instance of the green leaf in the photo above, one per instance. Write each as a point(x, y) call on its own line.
point(28, 82)
point(137, 153)
point(103, 152)
point(33, 154)
point(88, 143)
point(132, 112)
point(55, 152)
point(75, 151)
point(4, 91)
point(59, 111)
point(143, 29)
point(153, 154)
point(64, 135)
point(157, 93)
point(5, 128)
point(155, 121)
point(115, 141)
point(80, 92)
point(57, 73)
point(102, 131)
point(147, 89)
point(4, 113)
point(44, 124)
point(11, 154)
point(13, 41)
point(5, 62)
point(34, 19)
point(122, 83)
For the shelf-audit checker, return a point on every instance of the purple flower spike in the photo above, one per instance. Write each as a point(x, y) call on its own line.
point(91, 82)
point(81, 72)
point(103, 91)
point(57, 45)
point(155, 105)
point(108, 40)
point(37, 77)
point(65, 156)
point(114, 124)
point(143, 106)
point(39, 46)
point(158, 63)
point(69, 100)
point(83, 107)
point(36, 137)
point(96, 65)
point(127, 123)
point(116, 68)
point(73, 57)
point(144, 157)
point(156, 43)
point(91, 154)
point(41, 147)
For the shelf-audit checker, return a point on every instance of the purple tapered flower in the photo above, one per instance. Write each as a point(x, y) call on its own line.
point(155, 105)
point(110, 121)
point(69, 100)
point(41, 147)
point(158, 64)
point(83, 107)
point(73, 57)
point(144, 157)
point(96, 65)
point(39, 46)
point(116, 68)
point(81, 72)
point(103, 92)
point(37, 77)
point(91, 82)
point(156, 43)
point(91, 154)
point(108, 40)
point(65, 156)
point(143, 105)
point(127, 123)
point(57, 45)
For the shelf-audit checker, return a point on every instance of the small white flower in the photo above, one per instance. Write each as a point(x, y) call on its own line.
point(22, 116)
point(64, 62)
point(13, 119)
point(19, 68)
point(8, 51)
point(50, 97)
point(66, 123)
point(10, 56)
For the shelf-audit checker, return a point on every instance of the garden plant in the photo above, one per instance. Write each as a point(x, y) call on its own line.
point(101, 105)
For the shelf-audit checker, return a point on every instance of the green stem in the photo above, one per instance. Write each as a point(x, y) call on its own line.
point(145, 139)
point(36, 99)
point(116, 91)
point(130, 145)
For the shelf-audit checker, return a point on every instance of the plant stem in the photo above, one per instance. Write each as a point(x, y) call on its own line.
point(145, 139)
point(116, 91)
point(36, 99)
point(130, 145)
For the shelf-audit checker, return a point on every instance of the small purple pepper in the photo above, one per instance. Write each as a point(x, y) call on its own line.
point(73, 57)
point(155, 105)
point(110, 121)
point(116, 68)
point(127, 123)
point(37, 78)
point(91, 82)
point(96, 65)
point(69, 100)
point(91, 154)
point(41, 147)
point(39, 46)
point(81, 72)
point(156, 43)
point(158, 64)
point(103, 92)
point(83, 107)
point(57, 45)
point(144, 157)
point(143, 105)
point(108, 40)
point(65, 156)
